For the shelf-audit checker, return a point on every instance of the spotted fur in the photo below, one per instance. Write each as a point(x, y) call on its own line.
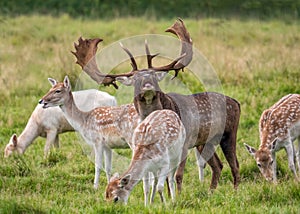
point(157, 145)
point(279, 126)
point(104, 128)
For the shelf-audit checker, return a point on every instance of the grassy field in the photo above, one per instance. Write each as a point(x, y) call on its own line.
point(257, 62)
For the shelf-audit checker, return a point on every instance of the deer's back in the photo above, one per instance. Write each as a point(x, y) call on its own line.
point(281, 120)
point(207, 115)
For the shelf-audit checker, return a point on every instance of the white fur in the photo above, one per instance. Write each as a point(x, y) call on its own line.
point(51, 122)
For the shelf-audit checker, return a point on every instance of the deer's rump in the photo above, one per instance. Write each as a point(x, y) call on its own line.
point(207, 116)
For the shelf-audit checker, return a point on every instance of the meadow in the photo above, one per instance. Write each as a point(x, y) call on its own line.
point(257, 63)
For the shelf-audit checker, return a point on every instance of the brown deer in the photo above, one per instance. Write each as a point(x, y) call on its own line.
point(279, 126)
point(104, 128)
point(157, 145)
point(209, 118)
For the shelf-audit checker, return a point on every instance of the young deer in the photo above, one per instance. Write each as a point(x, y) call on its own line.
point(51, 122)
point(279, 126)
point(104, 127)
point(157, 141)
point(209, 118)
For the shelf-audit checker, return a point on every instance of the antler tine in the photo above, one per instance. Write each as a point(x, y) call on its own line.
point(133, 62)
point(179, 29)
point(149, 56)
point(85, 54)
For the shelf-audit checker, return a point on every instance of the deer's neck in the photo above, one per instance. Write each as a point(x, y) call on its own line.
point(27, 136)
point(160, 101)
point(73, 114)
point(137, 170)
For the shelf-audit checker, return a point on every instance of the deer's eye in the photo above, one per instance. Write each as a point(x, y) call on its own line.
point(271, 163)
point(57, 91)
point(259, 165)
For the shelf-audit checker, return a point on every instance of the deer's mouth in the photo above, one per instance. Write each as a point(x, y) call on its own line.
point(45, 104)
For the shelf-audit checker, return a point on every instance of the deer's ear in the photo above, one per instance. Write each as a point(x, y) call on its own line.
point(67, 82)
point(160, 75)
point(128, 81)
point(14, 140)
point(250, 149)
point(52, 81)
point(125, 180)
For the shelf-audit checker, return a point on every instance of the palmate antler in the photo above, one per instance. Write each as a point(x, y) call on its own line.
point(85, 53)
point(86, 50)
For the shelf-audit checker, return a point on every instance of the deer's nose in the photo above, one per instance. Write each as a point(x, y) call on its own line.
point(41, 101)
point(148, 86)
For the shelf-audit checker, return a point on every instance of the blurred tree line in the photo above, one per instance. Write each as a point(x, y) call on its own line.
point(155, 8)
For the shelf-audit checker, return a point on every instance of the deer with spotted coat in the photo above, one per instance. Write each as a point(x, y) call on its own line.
point(49, 123)
point(105, 128)
point(209, 118)
point(157, 145)
point(279, 126)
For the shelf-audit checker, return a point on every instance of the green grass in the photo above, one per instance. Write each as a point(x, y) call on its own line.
point(257, 63)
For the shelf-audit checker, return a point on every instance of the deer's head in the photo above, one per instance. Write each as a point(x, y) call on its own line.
point(116, 189)
point(264, 159)
point(11, 146)
point(57, 93)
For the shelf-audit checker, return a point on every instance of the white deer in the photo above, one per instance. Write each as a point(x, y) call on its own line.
point(49, 123)
point(279, 126)
point(157, 141)
point(104, 127)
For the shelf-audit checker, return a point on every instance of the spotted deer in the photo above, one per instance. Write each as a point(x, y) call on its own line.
point(49, 123)
point(279, 126)
point(209, 118)
point(104, 128)
point(157, 145)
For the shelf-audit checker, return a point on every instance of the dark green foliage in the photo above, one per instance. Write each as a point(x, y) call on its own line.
point(155, 8)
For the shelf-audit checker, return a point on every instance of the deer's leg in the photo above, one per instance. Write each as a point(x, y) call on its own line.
point(200, 162)
point(154, 185)
point(51, 138)
point(290, 153)
point(298, 155)
point(98, 163)
point(214, 162)
point(108, 162)
point(146, 187)
point(161, 178)
point(228, 145)
point(171, 180)
point(180, 169)
point(56, 141)
point(274, 167)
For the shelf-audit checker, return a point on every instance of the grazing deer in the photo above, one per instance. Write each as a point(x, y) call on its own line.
point(104, 127)
point(51, 122)
point(279, 126)
point(157, 141)
point(209, 118)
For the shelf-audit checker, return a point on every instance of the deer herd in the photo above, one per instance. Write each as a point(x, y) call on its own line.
point(158, 127)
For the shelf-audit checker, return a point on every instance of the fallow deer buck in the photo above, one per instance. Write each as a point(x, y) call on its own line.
point(209, 118)
point(104, 128)
point(157, 141)
point(279, 126)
